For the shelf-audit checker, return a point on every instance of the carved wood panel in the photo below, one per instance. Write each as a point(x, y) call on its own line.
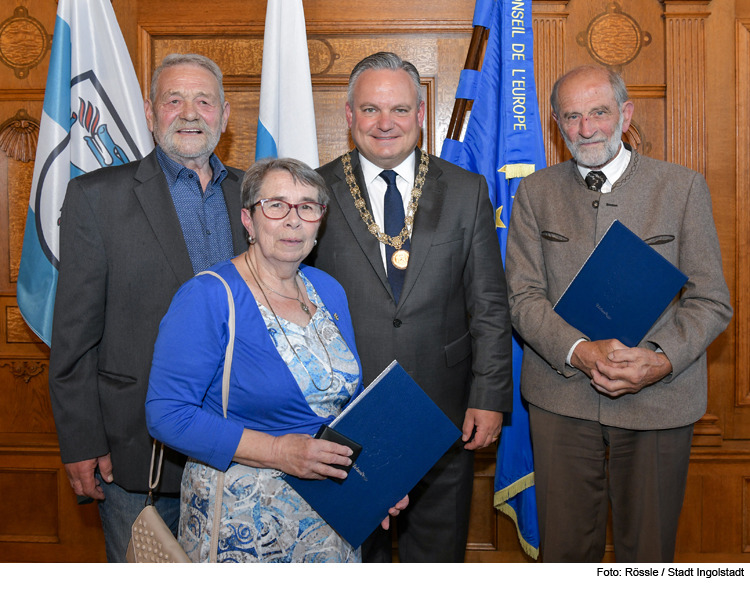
point(549, 65)
point(439, 59)
point(686, 84)
point(660, 48)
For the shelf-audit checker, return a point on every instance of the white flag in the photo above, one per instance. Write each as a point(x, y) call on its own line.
point(286, 121)
point(93, 117)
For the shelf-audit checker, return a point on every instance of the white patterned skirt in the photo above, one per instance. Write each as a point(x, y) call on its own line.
point(263, 519)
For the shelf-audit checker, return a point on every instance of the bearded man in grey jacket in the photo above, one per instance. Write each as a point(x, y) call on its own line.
point(586, 396)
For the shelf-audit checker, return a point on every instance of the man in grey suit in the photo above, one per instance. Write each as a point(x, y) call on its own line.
point(130, 236)
point(584, 396)
point(429, 293)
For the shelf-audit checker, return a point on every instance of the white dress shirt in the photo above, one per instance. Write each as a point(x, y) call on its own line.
point(376, 187)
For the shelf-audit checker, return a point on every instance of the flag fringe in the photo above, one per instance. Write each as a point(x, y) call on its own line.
point(514, 171)
point(520, 485)
point(528, 548)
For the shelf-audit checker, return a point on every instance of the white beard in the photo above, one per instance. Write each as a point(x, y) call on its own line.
point(602, 155)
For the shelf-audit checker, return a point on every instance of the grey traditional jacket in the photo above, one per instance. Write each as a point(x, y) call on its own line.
point(555, 225)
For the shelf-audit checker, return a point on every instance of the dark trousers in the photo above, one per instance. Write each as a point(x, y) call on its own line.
point(435, 526)
point(644, 480)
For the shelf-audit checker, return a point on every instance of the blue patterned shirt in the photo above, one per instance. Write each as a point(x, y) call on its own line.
point(203, 216)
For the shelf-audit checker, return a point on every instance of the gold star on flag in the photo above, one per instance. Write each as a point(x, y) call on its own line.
point(499, 222)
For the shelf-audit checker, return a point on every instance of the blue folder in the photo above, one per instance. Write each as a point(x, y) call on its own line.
point(621, 290)
point(402, 433)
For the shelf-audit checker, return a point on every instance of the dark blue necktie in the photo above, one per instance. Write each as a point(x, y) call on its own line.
point(394, 223)
point(595, 180)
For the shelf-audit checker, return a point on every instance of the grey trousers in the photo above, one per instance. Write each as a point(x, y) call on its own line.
point(643, 479)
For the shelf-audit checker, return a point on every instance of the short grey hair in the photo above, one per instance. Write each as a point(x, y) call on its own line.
point(301, 173)
point(383, 60)
point(181, 59)
point(619, 88)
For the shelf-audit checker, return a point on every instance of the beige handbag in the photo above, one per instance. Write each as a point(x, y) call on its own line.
point(151, 540)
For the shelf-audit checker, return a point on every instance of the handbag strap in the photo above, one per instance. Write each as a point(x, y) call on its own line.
point(224, 403)
point(152, 484)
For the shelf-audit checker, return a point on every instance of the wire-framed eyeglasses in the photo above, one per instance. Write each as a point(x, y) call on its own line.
point(278, 209)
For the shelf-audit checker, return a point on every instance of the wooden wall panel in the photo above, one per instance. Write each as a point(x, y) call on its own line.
point(24, 401)
point(30, 521)
point(46, 524)
point(684, 113)
point(549, 21)
point(686, 82)
point(438, 56)
point(742, 397)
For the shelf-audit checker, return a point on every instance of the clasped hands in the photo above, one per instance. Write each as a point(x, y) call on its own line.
point(615, 369)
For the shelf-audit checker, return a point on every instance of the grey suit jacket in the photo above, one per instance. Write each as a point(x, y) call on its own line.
point(451, 328)
point(122, 258)
point(554, 228)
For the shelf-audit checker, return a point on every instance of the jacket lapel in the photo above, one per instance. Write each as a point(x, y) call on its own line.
point(425, 223)
point(367, 242)
point(155, 199)
point(231, 189)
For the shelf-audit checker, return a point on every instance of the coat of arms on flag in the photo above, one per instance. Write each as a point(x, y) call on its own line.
point(92, 118)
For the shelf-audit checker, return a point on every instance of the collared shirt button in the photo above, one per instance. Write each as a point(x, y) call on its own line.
point(396, 323)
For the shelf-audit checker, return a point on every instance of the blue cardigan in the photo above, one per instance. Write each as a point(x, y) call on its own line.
point(183, 406)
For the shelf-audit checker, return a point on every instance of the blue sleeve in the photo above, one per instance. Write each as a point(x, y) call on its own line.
point(187, 368)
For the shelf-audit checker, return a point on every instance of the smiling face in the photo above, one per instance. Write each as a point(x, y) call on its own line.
point(386, 116)
point(589, 119)
point(187, 117)
point(284, 241)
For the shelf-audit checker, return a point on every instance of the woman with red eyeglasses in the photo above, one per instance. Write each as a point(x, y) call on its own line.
point(295, 367)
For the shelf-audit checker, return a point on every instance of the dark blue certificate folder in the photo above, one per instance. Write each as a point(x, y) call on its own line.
point(402, 433)
point(621, 290)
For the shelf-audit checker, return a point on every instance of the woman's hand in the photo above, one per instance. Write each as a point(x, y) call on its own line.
point(306, 457)
point(400, 506)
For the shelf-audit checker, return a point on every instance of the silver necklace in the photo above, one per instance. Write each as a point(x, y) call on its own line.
point(301, 302)
point(276, 318)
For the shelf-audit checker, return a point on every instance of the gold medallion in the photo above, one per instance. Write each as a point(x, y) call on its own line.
point(400, 259)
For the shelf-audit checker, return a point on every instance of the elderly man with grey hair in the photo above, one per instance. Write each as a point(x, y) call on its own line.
point(420, 262)
point(130, 236)
point(588, 398)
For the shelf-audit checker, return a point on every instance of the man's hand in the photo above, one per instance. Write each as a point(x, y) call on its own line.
point(587, 353)
point(488, 424)
point(82, 479)
point(393, 511)
point(629, 370)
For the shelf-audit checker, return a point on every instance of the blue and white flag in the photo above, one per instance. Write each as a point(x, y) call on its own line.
point(93, 117)
point(503, 141)
point(286, 118)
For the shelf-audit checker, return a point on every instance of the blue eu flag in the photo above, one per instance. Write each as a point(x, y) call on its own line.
point(503, 142)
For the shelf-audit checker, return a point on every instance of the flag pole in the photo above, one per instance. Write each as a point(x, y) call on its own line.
point(473, 57)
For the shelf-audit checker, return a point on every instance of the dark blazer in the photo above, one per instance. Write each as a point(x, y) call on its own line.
point(122, 258)
point(451, 327)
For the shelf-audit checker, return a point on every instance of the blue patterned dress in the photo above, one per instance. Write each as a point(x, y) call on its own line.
point(263, 519)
